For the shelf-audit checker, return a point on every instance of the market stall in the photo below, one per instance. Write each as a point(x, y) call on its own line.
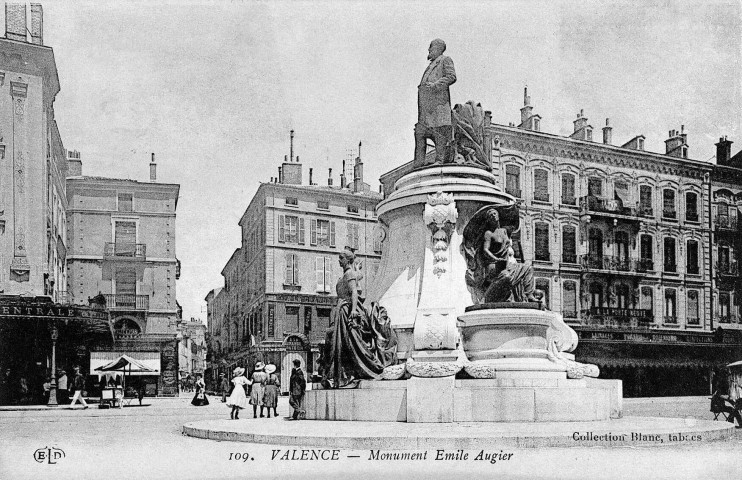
point(113, 394)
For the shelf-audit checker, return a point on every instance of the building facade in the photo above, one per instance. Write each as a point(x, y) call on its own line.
point(191, 347)
point(626, 244)
point(280, 285)
point(121, 236)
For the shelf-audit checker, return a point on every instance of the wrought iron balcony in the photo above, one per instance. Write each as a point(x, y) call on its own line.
point(129, 251)
point(644, 265)
point(725, 223)
point(593, 204)
point(127, 302)
point(569, 258)
point(670, 319)
point(646, 211)
point(691, 217)
point(730, 269)
point(610, 263)
point(727, 319)
point(670, 213)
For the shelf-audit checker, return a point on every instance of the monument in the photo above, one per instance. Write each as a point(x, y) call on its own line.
point(455, 331)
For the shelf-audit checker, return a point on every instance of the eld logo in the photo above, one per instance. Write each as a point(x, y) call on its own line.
point(48, 455)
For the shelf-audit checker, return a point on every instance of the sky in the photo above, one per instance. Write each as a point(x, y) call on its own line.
point(213, 88)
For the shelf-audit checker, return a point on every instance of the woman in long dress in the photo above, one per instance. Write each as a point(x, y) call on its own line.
point(199, 398)
point(256, 396)
point(360, 342)
point(270, 395)
point(237, 399)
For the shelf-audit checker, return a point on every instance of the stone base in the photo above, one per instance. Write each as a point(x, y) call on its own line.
point(509, 398)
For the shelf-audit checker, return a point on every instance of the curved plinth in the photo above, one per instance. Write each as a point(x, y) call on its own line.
point(403, 436)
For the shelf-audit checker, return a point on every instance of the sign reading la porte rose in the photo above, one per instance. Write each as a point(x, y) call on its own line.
point(50, 311)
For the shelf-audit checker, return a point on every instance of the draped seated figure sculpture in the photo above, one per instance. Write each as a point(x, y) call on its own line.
point(360, 342)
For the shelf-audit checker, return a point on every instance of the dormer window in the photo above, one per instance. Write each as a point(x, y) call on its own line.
point(589, 134)
point(684, 151)
point(640, 143)
point(292, 201)
point(537, 124)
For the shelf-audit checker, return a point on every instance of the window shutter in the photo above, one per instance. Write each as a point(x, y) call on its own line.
point(301, 230)
point(281, 228)
point(289, 269)
point(328, 274)
point(313, 231)
point(319, 263)
point(295, 265)
point(332, 234)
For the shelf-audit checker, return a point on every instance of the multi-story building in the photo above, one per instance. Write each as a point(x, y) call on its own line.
point(726, 197)
point(191, 347)
point(286, 269)
point(620, 242)
point(39, 330)
point(121, 236)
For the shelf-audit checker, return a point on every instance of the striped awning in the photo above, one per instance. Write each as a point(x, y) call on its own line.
point(650, 362)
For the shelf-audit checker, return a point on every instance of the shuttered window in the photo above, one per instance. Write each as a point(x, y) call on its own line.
point(126, 282)
point(568, 189)
point(323, 272)
point(290, 229)
point(125, 203)
point(542, 242)
point(292, 269)
point(352, 236)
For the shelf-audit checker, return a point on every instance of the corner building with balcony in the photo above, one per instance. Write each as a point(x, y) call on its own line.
point(121, 236)
point(620, 241)
point(279, 287)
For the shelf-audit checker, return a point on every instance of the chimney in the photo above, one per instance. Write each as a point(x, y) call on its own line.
point(342, 176)
point(329, 178)
point(607, 132)
point(527, 110)
point(291, 172)
point(15, 21)
point(37, 24)
point(74, 164)
point(310, 173)
point(723, 151)
point(291, 151)
point(583, 130)
point(358, 172)
point(152, 169)
point(677, 143)
point(280, 177)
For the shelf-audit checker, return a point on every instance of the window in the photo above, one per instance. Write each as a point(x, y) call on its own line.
point(352, 236)
point(645, 201)
point(594, 187)
point(125, 238)
point(378, 238)
point(512, 180)
point(537, 124)
point(691, 257)
point(322, 233)
point(569, 244)
point(668, 203)
point(542, 242)
point(621, 192)
point(542, 284)
point(596, 295)
point(691, 207)
point(126, 284)
point(589, 134)
point(645, 299)
point(622, 296)
point(670, 265)
point(646, 248)
point(670, 306)
point(723, 263)
point(595, 248)
point(307, 320)
point(622, 250)
point(125, 203)
point(541, 185)
point(290, 229)
point(724, 307)
point(352, 208)
point(684, 151)
point(323, 205)
point(292, 201)
point(323, 272)
point(292, 318)
point(569, 300)
point(292, 269)
point(640, 143)
point(693, 317)
point(568, 189)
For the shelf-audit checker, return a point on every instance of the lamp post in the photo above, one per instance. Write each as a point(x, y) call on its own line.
point(53, 387)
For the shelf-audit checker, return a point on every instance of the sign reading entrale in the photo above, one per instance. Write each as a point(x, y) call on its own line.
point(51, 311)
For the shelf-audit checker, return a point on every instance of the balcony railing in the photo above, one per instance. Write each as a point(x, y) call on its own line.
point(127, 302)
point(541, 198)
point(569, 313)
point(670, 319)
point(670, 268)
point(691, 217)
point(725, 222)
point(591, 203)
point(640, 314)
point(644, 265)
point(133, 251)
point(727, 269)
point(727, 319)
point(669, 213)
point(612, 263)
point(569, 258)
point(646, 211)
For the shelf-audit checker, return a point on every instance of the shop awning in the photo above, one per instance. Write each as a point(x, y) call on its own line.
point(16, 308)
point(141, 363)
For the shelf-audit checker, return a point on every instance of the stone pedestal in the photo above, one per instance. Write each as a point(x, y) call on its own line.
point(430, 400)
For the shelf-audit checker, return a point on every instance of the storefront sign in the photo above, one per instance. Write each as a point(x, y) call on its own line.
point(307, 319)
point(50, 311)
point(271, 319)
point(306, 299)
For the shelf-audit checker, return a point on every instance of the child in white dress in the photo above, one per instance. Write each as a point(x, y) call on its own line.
point(238, 399)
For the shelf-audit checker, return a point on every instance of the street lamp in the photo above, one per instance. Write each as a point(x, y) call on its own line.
point(53, 387)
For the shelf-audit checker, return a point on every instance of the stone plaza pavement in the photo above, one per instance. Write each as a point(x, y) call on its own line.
point(146, 442)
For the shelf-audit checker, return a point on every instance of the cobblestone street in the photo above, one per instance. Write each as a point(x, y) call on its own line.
point(146, 442)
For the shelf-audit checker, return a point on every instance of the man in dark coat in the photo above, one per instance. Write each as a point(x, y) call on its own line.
point(434, 106)
point(297, 388)
point(223, 386)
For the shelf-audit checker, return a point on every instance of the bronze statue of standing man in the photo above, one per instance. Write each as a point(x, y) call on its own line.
point(434, 107)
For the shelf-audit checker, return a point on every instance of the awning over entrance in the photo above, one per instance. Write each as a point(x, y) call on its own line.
point(14, 308)
point(150, 360)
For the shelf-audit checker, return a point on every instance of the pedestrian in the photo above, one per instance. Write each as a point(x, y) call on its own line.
point(238, 399)
point(256, 395)
point(271, 390)
point(297, 388)
point(47, 386)
point(223, 386)
point(200, 398)
point(78, 384)
point(63, 395)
